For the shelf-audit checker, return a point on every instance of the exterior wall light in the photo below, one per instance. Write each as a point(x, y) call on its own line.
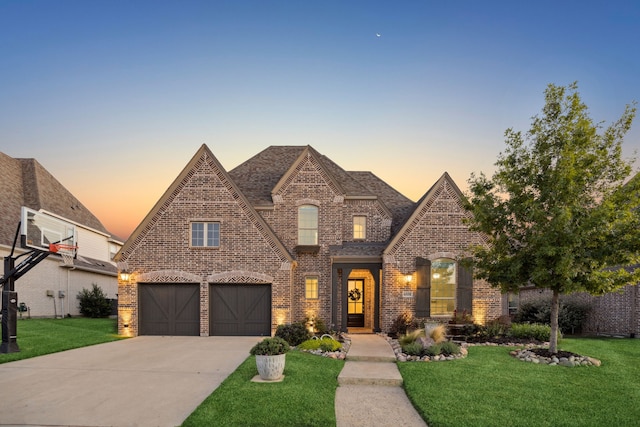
point(124, 276)
point(408, 278)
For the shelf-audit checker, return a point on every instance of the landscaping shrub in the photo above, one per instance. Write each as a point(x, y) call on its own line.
point(571, 315)
point(497, 327)
point(438, 333)
point(329, 344)
point(412, 349)
point(319, 327)
point(270, 347)
point(94, 303)
point(402, 323)
point(449, 347)
point(293, 333)
point(433, 350)
point(534, 331)
point(410, 337)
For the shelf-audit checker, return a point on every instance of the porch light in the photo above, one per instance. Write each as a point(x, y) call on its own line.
point(124, 276)
point(436, 275)
point(408, 278)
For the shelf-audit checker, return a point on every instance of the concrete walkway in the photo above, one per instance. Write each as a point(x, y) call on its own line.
point(370, 389)
point(143, 381)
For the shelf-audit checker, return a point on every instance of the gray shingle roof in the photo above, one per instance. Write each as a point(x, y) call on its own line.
point(25, 182)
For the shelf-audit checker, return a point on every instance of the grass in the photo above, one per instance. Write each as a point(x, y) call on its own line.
point(491, 388)
point(304, 398)
point(37, 337)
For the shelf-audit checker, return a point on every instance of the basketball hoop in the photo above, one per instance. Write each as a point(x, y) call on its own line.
point(68, 252)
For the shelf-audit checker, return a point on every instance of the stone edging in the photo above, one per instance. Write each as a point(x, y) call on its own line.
point(527, 355)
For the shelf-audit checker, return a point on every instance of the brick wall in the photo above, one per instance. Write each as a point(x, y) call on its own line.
point(202, 195)
point(436, 231)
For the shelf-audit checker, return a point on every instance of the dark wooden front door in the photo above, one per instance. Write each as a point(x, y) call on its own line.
point(240, 309)
point(355, 303)
point(169, 309)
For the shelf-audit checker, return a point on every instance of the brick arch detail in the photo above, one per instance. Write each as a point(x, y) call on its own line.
point(240, 276)
point(169, 276)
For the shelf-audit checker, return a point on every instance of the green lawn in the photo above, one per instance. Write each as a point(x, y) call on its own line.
point(304, 398)
point(491, 388)
point(43, 336)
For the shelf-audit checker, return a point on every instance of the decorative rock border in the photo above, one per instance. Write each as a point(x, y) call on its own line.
point(526, 355)
point(402, 357)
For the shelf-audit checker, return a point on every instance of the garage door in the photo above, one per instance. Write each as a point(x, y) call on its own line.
point(169, 309)
point(240, 310)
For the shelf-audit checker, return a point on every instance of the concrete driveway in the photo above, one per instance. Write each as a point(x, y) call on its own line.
point(143, 381)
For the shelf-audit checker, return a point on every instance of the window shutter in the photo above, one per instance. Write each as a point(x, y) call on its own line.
point(465, 286)
point(423, 290)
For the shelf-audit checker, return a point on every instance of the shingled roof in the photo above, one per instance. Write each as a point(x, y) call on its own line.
point(25, 182)
point(259, 175)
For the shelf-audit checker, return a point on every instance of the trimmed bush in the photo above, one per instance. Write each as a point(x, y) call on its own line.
point(94, 303)
point(534, 331)
point(294, 333)
point(270, 347)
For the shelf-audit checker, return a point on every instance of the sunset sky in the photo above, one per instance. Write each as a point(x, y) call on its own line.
point(114, 97)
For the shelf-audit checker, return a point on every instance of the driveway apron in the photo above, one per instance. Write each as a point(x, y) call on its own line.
point(143, 381)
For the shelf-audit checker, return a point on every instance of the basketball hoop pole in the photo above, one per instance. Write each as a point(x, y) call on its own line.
point(10, 296)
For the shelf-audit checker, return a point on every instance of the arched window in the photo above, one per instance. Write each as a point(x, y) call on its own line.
point(443, 286)
point(308, 225)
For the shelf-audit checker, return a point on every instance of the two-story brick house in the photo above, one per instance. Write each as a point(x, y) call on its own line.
point(289, 234)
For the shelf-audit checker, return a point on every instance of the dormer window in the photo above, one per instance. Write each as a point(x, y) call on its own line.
point(359, 227)
point(307, 225)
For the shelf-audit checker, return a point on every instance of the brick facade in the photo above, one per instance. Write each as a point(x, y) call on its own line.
point(259, 239)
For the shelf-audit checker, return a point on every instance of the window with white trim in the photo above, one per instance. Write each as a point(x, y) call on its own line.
point(205, 234)
point(311, 287)
point(359, 227)
point(308, 225)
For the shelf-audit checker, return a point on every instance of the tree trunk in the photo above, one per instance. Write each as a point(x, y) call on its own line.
point(553, 339)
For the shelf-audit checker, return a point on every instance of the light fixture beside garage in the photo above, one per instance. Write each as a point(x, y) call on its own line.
point(125, 276)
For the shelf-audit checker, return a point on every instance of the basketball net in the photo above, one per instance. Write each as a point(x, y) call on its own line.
point(67, 252)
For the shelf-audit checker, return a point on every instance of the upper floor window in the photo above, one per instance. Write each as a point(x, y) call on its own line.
point(205, 234)
point(360, 227)
point(308, 225)
point(443, 286)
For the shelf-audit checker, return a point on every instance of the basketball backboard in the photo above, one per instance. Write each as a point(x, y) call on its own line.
point(38, 230)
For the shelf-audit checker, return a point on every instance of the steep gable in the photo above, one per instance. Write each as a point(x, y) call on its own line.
point(203, 188)
point(442, 207)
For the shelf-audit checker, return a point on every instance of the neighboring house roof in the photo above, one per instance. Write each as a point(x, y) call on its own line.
point(25, 182)
point(204, 154)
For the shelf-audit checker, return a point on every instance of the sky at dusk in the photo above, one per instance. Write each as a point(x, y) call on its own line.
point(115, 97)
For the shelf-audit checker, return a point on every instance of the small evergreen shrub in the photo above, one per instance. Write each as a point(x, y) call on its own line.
point(433, 350)
point(324, 344)
point(534, 331)
point(270, 347)
point(449, 347)
point(496, 327)
point(319, 327)
point(293, 333)
point(94, 303)
point(412, 349)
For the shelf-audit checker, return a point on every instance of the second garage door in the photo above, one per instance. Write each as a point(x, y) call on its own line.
point(240, 309)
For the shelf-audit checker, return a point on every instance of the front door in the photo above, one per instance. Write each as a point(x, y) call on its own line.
point(355, 303)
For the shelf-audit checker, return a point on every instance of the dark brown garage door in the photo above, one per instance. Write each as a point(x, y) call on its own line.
point(169, 309)
point(240, 310)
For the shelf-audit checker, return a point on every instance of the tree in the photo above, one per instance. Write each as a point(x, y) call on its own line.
point(560, 212)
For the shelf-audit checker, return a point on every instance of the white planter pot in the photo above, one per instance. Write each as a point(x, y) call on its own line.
point(270, 368)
